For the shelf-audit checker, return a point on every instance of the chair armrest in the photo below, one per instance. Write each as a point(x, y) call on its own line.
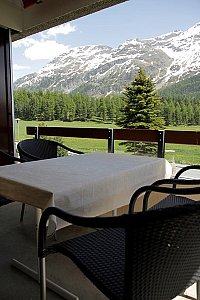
point(92, 222)
point(161, 182)
point(147, 190)
point(102, 222)
point(11, 157)
point(184, 169)
point(175, 181)
point(69, 149)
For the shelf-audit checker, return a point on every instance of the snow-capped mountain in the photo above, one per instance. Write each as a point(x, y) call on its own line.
point(100, 70)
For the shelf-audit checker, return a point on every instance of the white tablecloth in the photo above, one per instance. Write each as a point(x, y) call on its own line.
point(89, 184)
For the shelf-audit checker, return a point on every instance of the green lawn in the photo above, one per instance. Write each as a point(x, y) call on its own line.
point(86, 145)
point(186, 128)
point(184, 154)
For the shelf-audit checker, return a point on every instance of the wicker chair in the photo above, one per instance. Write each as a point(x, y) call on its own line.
point(150, 255)
point(37, 149)
point(9, 159)
point(172, 199)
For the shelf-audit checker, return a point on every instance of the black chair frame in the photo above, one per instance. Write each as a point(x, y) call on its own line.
point(172, 200)
point(133, 232)
point(10, 158)
point(174, 183)
point(37, 149)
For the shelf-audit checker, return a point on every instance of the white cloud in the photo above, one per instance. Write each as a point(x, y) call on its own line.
point(64, 29)
point(17, 67)
point(41, 46)
point(26, 42)
point(45, 50)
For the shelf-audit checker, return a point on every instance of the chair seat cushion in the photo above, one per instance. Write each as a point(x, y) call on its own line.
point(88, 253)
point(173, 200)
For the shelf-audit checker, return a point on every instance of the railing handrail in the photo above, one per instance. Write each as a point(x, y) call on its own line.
point(182, 137)
point(146, 135)
point(98, 133)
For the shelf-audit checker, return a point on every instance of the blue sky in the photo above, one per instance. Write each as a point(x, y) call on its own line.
point(112, 26)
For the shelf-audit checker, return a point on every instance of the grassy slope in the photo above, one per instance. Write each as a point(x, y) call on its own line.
point(184, 154)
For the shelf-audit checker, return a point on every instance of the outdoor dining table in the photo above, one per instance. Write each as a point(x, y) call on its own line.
point(88, 184)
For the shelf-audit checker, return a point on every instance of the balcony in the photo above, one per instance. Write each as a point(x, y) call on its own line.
point(18, 240)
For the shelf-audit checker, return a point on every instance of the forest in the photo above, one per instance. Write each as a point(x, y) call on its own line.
point(49, 106)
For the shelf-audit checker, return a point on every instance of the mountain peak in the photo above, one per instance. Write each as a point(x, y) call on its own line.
point(101, 70)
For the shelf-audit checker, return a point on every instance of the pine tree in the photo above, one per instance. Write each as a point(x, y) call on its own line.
point(141, 109)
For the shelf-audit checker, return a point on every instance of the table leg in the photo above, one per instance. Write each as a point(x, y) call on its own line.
point(51, 285)
point(37, 219)
point(33, 274)
point(114, 212)
point(198, 290)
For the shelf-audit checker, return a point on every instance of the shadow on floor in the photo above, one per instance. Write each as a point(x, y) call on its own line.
point(18, 240)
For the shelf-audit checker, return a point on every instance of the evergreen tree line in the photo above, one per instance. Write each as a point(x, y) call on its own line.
point(181, 110)
point(48, 106)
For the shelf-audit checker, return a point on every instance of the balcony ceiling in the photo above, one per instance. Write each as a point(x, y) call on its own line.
point(26, 17)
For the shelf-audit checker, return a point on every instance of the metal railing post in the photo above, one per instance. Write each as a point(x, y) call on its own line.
point(110, 140)
point(37, 133)
point(161, 143)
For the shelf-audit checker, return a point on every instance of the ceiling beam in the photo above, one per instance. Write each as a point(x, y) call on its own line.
point(11, 16)
point(52, 13)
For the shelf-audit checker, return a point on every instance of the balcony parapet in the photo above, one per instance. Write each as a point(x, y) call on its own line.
point(135, 135)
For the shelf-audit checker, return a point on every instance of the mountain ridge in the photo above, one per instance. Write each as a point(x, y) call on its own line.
point(102, 70)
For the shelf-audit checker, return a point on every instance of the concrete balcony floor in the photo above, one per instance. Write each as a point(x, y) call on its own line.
point(18, 240)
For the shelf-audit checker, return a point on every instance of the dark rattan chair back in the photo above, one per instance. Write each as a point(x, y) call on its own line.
point(36, 149)
point(153, 254)
point(172, 199)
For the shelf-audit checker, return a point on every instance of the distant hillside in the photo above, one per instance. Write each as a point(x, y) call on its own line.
point(98, 70)
point(187, 87)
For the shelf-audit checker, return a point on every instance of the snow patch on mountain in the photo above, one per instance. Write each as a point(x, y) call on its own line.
point(101, 70)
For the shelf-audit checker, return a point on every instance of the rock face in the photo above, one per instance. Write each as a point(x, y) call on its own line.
point(101, 70)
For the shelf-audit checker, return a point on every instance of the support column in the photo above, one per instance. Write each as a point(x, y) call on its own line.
point(6, 94)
